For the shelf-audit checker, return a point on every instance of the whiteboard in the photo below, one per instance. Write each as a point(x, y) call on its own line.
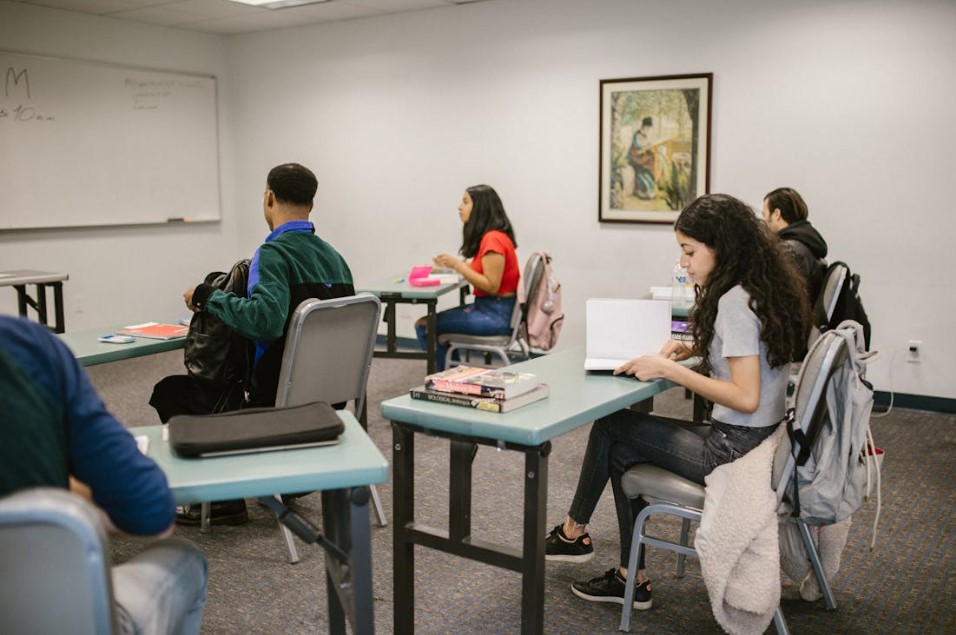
point(92, 144)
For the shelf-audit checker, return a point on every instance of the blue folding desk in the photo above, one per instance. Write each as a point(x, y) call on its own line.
point(19, 280)
point(89, 351)
point(577, 398)
point(340, 471)
point(396, 290)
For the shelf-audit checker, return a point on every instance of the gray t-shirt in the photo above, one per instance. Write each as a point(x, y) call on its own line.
point(737, 334)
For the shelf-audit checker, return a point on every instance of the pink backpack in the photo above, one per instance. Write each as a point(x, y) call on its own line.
point(541, 305)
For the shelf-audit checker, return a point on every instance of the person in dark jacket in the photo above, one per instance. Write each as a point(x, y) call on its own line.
point(786, 214)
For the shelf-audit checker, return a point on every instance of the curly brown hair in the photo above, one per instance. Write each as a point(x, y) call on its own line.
point(748, 254)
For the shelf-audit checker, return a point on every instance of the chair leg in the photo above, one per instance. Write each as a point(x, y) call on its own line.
point(817, 565)
point(377, 504)
point(636, 540)
point(779, 622)
point(205, 512)
point(681, 558)
point(292, 555)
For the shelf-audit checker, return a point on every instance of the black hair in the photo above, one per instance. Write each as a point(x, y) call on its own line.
point(789, 202)
point(292, 183)
point(748, 254)
point(487, 214)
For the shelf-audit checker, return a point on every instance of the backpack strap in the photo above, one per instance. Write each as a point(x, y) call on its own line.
point(797, 439)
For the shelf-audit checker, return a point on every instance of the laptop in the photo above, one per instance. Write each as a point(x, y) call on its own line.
point(620, 330)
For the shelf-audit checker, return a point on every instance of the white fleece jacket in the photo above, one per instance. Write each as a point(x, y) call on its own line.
point(737, 541)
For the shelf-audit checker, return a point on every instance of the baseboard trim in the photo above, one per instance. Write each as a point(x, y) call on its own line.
point(881, 400)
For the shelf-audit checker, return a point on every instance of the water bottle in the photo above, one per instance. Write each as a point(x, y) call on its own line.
point(679, 284)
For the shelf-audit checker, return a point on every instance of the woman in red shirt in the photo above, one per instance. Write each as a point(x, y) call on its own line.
point(488, 240)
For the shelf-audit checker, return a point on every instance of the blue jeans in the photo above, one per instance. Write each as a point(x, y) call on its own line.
point(626, 438)
point(161, 590)
point(487, 316)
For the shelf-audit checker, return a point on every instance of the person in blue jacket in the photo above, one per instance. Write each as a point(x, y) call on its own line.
point(55, 431)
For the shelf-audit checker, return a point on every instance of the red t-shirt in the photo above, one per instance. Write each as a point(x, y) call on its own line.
point(498, 242)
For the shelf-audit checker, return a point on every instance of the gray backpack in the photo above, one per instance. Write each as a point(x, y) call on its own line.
point(837, 475)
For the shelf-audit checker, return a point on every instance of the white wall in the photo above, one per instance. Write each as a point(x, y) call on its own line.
point(846, 100)
point(849, 102)
point(122, 275)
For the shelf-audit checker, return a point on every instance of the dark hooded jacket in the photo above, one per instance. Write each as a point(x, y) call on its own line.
point(810, 251)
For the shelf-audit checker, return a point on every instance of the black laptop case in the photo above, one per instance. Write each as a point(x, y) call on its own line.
point(254, 429)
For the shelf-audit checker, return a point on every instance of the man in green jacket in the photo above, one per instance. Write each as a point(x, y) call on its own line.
point(292, 265)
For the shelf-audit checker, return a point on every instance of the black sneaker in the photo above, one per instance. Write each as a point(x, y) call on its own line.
point(559, 548)
point(224, 513)
point(610, 588)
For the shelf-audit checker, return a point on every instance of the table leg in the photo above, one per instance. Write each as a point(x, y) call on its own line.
point(459, 490)
point(41, 305)
point(390, 324)
point(432, 337)
point(58, 307)
point(21, 299)
point(535, 511)
point(403, 510)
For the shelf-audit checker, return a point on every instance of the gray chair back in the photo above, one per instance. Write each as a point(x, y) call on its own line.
point(328, 351)
point(55, 563)
point(829, 294)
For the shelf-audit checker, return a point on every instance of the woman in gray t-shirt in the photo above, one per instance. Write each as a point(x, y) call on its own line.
point(750, 320)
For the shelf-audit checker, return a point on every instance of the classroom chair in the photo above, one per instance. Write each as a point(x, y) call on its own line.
point(56, 566)
point(327, 356)
point(672, 495)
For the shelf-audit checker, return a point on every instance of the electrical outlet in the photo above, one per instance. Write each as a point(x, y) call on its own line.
point(912, 351)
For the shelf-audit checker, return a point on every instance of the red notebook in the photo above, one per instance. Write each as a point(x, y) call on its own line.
point(155, 330)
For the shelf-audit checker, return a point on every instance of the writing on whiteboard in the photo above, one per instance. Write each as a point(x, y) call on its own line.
point(12, 81)
point(16, 84)
point(148, 94)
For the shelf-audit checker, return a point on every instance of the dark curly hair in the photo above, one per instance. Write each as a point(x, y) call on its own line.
point(748, 254)
point(487, 214)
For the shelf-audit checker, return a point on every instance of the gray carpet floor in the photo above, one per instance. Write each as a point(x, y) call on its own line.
point(907, 584)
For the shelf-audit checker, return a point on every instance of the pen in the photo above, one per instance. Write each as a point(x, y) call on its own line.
point(398, 280)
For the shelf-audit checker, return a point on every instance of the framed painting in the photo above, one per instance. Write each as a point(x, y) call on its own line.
point(654, 146)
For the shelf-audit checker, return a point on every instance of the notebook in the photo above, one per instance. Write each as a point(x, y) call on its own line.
point(620, 330)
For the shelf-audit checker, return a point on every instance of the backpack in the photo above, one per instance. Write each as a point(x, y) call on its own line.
point(848, 305)
point(542, 317)
point(834, 478)
point(216, 355)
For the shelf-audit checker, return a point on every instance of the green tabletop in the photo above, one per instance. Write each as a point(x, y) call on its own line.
point(398, 286)
point(577, 397)
point(353, 462)
point(89, 351)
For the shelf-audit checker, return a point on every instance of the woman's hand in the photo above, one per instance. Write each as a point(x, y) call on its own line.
point(449, 261)
point(676, 350)
point(646, 367)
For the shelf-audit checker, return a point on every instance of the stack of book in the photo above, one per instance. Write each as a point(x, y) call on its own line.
point(492, 390)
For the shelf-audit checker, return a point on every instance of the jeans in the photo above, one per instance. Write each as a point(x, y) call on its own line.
point(487, 316)
point(626, 438)
point(162, 590)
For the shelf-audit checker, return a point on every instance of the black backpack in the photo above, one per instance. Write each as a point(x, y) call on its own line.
point(841, 292)
point(215, 355)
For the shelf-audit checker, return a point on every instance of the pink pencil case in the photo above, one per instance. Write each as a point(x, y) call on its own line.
point(418, 276)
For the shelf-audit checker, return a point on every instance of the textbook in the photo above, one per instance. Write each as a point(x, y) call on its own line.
point(489, 404)
point(155, 330)
point(483, 382)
